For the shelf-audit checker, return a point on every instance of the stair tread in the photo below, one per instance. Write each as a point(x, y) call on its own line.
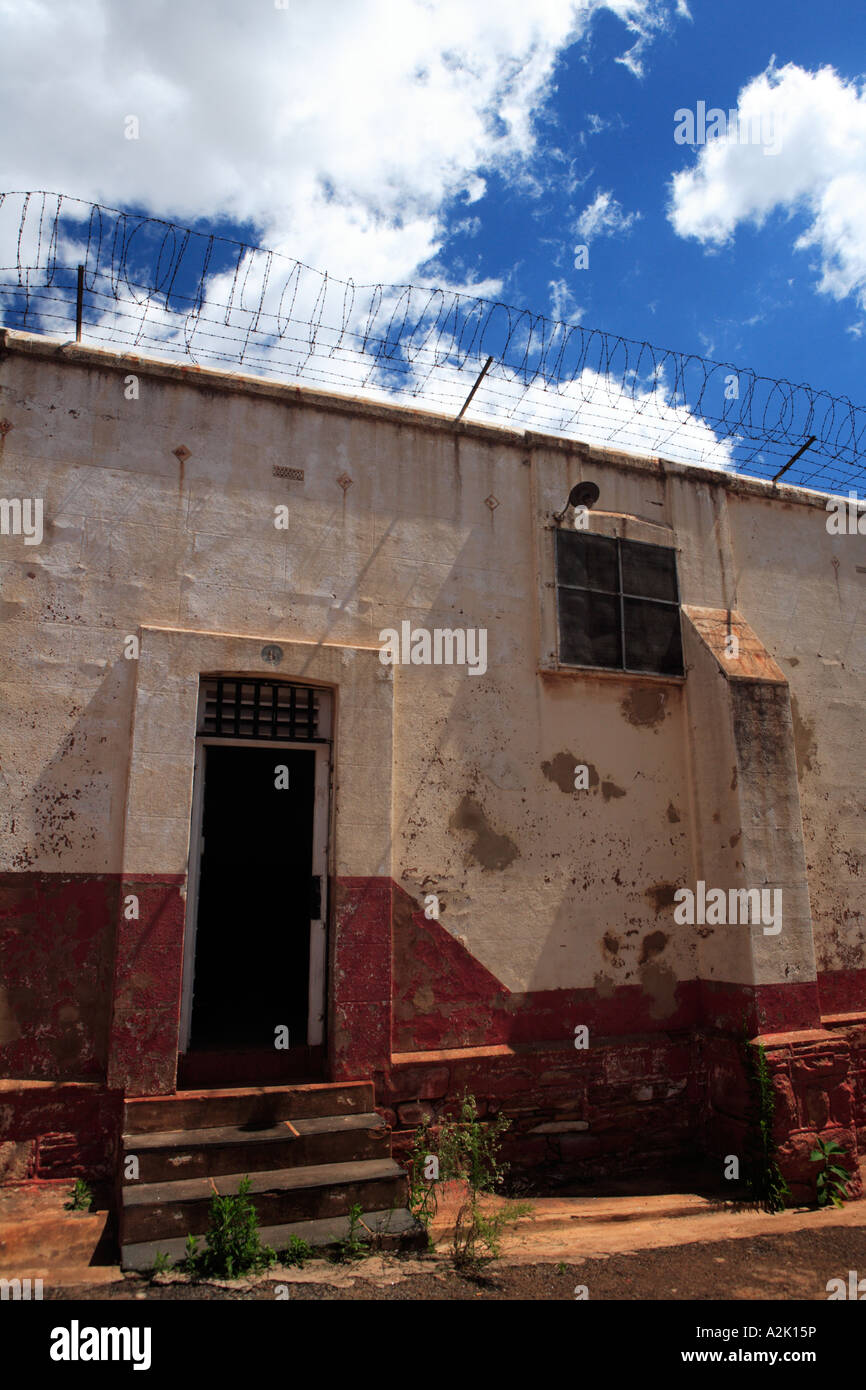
point(238, 1134)
point(278, 1180)
point(222, 1093)
point(211, 1108)
point(395, 1223)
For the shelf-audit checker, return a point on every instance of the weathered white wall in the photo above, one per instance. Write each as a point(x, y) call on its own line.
point(550, 887)
point(804, 591)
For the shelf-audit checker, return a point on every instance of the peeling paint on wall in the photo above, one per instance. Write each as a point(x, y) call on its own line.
point(489, 849)
point(644, 706)
point(661, 895)
point(652, 945)
point(805, 743)
point(661, 986)
point(561, 771)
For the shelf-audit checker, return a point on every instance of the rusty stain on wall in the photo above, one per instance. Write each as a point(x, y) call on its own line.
point(489, 849)
point(661, 985)
point(805, 744)
point(561, 771)
point(652, 945)
point(644, 706)
point(661, 895)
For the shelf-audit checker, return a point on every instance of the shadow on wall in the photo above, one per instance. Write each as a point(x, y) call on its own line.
point(57, 928)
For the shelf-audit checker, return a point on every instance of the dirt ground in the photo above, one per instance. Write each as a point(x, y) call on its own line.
point(617, 1242)
point(793, 1265)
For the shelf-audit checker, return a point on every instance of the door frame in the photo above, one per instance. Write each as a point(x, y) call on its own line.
point(316, 983)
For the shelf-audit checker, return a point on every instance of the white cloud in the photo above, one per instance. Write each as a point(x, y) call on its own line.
point(604, 217)
point(817, 121)
point(564, 307)
point(339, 130)
point(467, 226)
point(342, 133)
point(644, 21)
point(597, 410)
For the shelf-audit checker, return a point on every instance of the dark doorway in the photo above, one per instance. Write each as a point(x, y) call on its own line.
point(252, 944)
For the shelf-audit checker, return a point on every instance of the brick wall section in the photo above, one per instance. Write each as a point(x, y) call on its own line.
point(853, 1029)
point(814, 1097)
point(610, 1108)
point(147, 986)
point(57, 1131)
point(56, 956)
point(360, 1022)
point(814, 1084)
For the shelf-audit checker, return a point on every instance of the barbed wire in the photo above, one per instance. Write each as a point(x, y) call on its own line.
point(154, 287)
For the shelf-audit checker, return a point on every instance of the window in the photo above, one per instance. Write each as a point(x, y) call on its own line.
point(259, 709)
point(618, 604)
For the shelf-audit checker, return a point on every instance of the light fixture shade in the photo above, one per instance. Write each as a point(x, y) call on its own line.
point(583, 495)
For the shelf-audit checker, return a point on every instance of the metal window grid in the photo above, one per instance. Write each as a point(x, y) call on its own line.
point(258, 709)
point(621, 594)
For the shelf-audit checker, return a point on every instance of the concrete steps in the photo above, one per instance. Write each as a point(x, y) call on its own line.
point(311, 1152)
point(41, 1239)
point(169, 1155)
point(394, 1229)
point(264, 1105)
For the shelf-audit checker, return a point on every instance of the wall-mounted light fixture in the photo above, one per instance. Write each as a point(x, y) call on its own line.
point(581, 495)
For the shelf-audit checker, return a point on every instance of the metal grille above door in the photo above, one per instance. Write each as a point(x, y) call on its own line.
point(262, 709)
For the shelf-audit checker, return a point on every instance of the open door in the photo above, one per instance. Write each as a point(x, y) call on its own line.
point(255, 953)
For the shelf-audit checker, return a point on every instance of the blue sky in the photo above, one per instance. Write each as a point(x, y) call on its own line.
point(477, 146)
point(753, 301)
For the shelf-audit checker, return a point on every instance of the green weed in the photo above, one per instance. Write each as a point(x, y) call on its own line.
point(832, 1178)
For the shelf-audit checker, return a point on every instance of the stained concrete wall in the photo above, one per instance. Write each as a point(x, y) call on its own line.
point(806, 590)
point(544, 890)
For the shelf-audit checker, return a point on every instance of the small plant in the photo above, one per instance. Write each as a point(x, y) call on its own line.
point(423, 1202)
point(234, 1246)
point(832, 1178)
point(478, 1235)
point(353, 1246)
point(466, 1148)
point(191, 1257)
point(161, 1262)
point(469, 1148)
point(297, 1252)
point(80, 1198)
point(763, 1176)
point(562, 1267)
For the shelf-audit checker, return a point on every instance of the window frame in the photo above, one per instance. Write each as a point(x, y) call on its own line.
point(620, 595)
